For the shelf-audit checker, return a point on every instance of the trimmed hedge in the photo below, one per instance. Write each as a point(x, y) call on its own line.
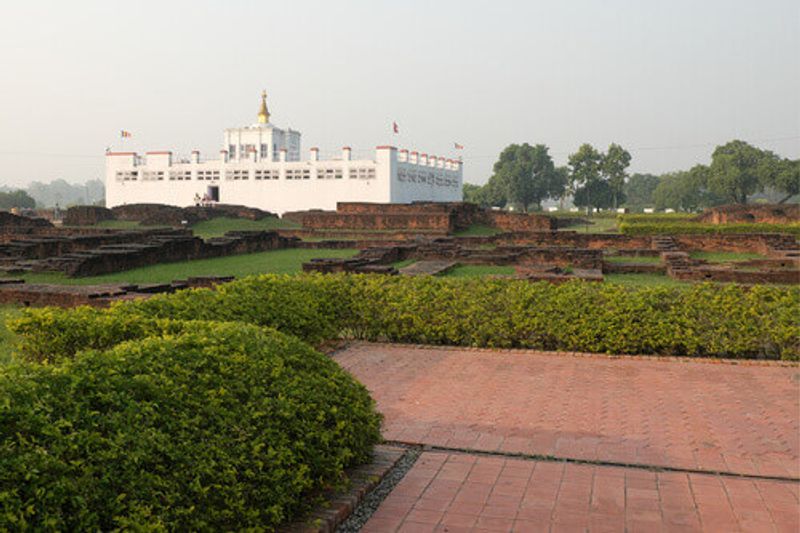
point(683, 228)
point(700, 320)
point(656, 218)
point(212, 427)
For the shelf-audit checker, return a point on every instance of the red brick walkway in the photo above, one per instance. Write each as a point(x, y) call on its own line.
point(459, 492)
point(690, 415)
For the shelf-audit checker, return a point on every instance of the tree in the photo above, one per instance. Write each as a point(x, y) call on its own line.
point(685, 190)
point(585, 170)
point(594, 194)
point(614, 165)
point(527, 175)
point(473, 193)
point(739, 169)
point(639, 189)
point(784, 177)
point(18, 199)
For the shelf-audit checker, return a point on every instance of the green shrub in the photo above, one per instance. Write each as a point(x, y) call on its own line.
point(698, 320)
point(656, 218)
point(224, 427)
point(306, 307)
point(701, 320)
point(683, 228)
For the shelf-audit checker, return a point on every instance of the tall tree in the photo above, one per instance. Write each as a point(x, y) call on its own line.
point(784, 177)
point(685, 190)
point(473, 194)
point(739, 169)
point(585, 170)
point(527, 175)
point(594, 194)
point(639, 190)
point(615, 163)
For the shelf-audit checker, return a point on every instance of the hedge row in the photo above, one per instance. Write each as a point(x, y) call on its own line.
point(700, 320)
point(204, 427)
point(639, 218)
point(683, 228)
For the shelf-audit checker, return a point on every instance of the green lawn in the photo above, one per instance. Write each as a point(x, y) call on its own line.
point(287, 261)
point(462, 271)
point(6, 337)
point(216, 227)
point(642, 259)
point(644, 280)
point(724, 257)
point(477, 230)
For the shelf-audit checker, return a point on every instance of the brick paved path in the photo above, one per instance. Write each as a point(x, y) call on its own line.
point(689, 415)
point(737, 419)
point(457, 492)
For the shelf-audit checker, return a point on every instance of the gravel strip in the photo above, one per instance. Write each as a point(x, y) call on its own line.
point(370, 503)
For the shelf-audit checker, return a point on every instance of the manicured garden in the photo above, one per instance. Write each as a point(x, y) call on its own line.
point(209, 410)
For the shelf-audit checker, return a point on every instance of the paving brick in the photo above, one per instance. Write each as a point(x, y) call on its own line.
point(676, 413)
point(596, 499)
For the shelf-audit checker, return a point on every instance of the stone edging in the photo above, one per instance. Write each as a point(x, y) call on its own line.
point(338, 506)
point(523, 351)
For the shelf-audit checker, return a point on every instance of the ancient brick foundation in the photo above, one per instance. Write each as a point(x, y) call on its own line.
point(416, 217)
point(18, 292)
point(751, 213)
point(166, 215)
point(87, 215)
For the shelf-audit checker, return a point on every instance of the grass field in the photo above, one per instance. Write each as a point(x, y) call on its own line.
point(462, 271)
point(643, 259)
point(6, 337)
point(287, 261)
point(724, 257)
point(644, 280)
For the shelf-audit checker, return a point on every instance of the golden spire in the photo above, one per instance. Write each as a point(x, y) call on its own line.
point(263, 113)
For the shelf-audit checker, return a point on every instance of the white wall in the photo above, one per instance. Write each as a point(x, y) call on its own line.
point(382, 180)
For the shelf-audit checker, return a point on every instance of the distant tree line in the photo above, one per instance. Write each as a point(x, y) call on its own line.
point(57, 192)
point(524, 176)
point(18, 199)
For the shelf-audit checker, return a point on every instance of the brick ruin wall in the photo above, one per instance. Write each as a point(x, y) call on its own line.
point(429, 217)
point(90, 255)
point(87, 215)
point(166, 215)
point(751, 213)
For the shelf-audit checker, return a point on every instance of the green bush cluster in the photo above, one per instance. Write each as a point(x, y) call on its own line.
point(683, 228)
point(190, 426)
point(699, 320)
point(640, 218)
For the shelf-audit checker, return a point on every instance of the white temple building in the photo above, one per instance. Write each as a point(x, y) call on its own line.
point(261, 166)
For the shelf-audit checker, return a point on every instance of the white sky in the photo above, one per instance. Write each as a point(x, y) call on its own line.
point(666, 79)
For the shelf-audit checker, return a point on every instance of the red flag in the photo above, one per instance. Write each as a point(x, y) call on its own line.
point(395, 127)
point(124, 133)
point(459, 146)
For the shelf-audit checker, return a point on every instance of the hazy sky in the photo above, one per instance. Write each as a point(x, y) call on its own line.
point(666, 79)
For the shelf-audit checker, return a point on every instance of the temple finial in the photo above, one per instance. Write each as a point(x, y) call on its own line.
point(263, 113)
